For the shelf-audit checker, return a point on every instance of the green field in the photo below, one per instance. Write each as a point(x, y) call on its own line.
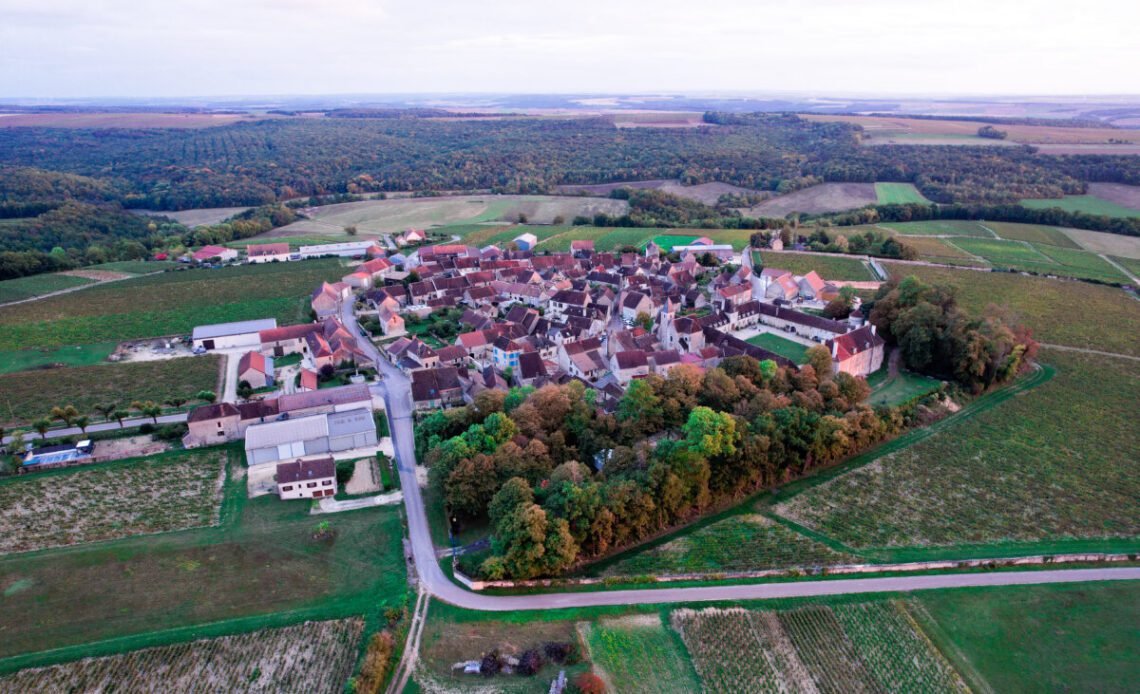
point(260, 567)
point(784, 347)
point(898, 194)
point(135, 267)
point(1040, 639)
point(37, 285)
point(902, 388)
point(1066, 313)
point(72, 355)
point(999, 252)
point(1042, 258)
point(28, 395)
point(667, 241)
point(639, 654)
point(951, 227)
point(1089, 204)
point(169, 303)
point(744, 542)
point(829, 267)
point(1083, 264)
point(1130, 264)
point(1033, 233)
point(1016, 473)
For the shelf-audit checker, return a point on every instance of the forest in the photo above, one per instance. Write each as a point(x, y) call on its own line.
point(560, 481)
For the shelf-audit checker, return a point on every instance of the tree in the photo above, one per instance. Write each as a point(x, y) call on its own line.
point(350, 230)
point(206, 396)
point(119, 416)
point(66, 414)
point(644, 320)
point(41, 426)
point(150, 409)
point(82, 422)
point(820, 360)
point(589, 683)
point(710, 433)
point(639, 411)
point(106, 409)
point(471, 485)
point(176, 401)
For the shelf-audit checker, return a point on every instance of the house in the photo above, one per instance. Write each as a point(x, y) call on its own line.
point(210, 425)
point(531, 368)
point(339, 399)
point(565, 299)
point(811, 286)
point(526, 242)
point(583, 358)
point(246, 333)
point(722, 252)
point(326, 299)
point(774, 283)
point(391, 323)
point(629, 365)
point(733, 295)
point(308, 381)
point(505, 352)
point(664, 361)
point(358, 280)
point(219, 254)
point(267, 253)
point(582, 248)
point(289, 339)
point(436, 388)
point(806, 325)
point(634, 303)
point(859, 352)
point(306, 479)
point(255, 369)
point(295, 437)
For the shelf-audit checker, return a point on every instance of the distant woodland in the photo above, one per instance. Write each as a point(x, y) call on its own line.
point(68, 189)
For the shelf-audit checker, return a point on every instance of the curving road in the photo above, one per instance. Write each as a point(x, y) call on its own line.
point(396, 389)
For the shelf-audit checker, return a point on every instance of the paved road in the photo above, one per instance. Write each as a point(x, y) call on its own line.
point(105, 426)
point(397, 395)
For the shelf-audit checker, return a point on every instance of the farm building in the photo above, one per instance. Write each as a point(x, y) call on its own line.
point(212, 424)
point(255, 369)
point(306, 479)
point(296, 437)
point(349, 249)
point(267, 252)
point(209, 253)
point(246, 333)
point(526, 242)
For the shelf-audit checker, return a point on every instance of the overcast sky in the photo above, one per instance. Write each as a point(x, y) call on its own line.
point(60, 48)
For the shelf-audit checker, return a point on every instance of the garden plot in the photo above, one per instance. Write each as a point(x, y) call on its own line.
point(68, 507)
point(866, 647)
point(748, 542)
point(310, 657)
point(638, 654)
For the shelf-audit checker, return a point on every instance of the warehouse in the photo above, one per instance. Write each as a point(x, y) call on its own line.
point(246, 333)
point(297, 437)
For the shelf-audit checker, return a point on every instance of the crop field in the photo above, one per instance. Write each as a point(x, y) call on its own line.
point(784, 347)
point(1090, 204)
point(398, 214)
point(937, 250)
point(104, 502)
point(1083, 264)
point(203, 216)
point(124, 120)
point(72, 355)
point(829, 267)
point(1101, 242)
point(501, 235)
point(639, 654)
point(825, 197)
point(38, 285)
point(28, 395)
point(747, 542)
point(1017, 472)
point(1053, 638)
point(1001, 252)
point(890, 128)
point(862, 647)
point(898, 194)
point(1130, 264)
point(1066, 313)
point(169, 303)
point(260, 567)
point(951, 227)
point(1033, 233)
point(308, 657)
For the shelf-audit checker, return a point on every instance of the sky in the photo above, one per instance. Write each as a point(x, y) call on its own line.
point(172, 48)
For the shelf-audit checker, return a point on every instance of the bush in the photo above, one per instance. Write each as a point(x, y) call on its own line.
point(376, 661)
point(490, 665)
point(344, 470)
point(530, 662)
point(589, 683)
point(558, 652)
point(171, 432)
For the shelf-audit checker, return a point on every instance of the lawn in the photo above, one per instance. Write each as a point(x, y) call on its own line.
point(1019, 472)
point(1046, 639)
point(37, 285)
point(743, 542)
point(28, 395)
point(1033, 233)
point(784, 347)
point(307, 657)
point(829, 267)
point(898, 194)
point(72, 355)
point(110, 501)
point(1089, 204)
point(939, 228)
point(903, 388)
point(260, 567)
point(639, 654)
point(1066, 313)
point(170, 303)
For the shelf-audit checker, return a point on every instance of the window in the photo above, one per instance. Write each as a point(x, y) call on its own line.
point(287, 488)
point(326, 483)
point(310, 485)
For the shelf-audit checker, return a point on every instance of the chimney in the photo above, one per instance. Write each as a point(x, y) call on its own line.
point(872, 328)
point(834, 349)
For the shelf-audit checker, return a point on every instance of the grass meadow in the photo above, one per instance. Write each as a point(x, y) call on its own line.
point(898, 194)
point(1033, 233)
point(829, 267)
point(1089, 204)
point(639, 654)
point(71, 355)
point(784, 347)
point(938, 227)
point(259, 567)
point(1043, 466)
point(28, 395)
point(166, 304)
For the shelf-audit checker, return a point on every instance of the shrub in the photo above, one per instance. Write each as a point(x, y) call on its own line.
point(344, 470)
point(376, 661)
point(530, 662)
point(589, 683)
point(490, 665)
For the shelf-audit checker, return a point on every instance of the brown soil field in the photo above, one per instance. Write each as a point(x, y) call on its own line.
point(203, 216)
point(707, 193)
point(122, 120)
point(884, 127)
point(826, 197)
point(97, 275)
point(1128, 196)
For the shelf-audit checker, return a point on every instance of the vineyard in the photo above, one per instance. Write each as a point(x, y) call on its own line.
point(867, 647)
point(738, 543)
point(169, 492)
point(638, 654)
point(310, 657)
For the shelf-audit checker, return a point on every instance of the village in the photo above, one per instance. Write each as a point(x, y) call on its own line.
point(298, 394)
